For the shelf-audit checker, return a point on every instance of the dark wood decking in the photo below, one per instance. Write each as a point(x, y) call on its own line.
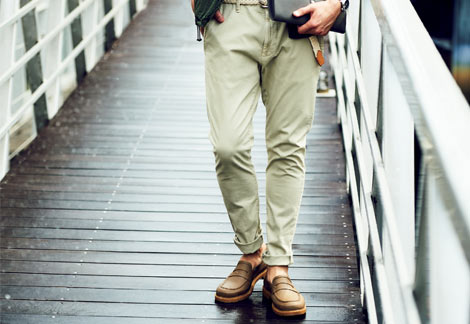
point(114, 215)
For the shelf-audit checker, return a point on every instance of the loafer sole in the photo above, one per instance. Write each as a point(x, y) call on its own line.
point(277, 311)
point(238, 298)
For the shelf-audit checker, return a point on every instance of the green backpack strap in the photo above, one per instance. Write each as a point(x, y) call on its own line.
point(204, 10)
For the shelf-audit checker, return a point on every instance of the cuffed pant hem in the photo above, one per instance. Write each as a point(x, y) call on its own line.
point(250, 247)
point(278, 260)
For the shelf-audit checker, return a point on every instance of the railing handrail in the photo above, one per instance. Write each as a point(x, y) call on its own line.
point(440, 111)
point(20, 13)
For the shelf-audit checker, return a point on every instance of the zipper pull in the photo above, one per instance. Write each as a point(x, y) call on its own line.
point(198, 34)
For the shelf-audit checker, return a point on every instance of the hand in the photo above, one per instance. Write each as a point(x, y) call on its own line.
point(322, 16)
point(217, 16)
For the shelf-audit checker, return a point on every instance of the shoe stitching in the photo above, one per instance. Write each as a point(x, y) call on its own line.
point(246, 280)
point(237, 275)
point(291, 289)
point(283, 283)
point(254, 273)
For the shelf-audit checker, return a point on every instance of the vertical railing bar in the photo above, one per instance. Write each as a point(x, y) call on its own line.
point(420, 192)
point(421, 238)
point(359, 32)
point(110, 35)
point(34, 69)
point(5, 138)
point(94, 47)
point(379, 120)
point(61, 46)
point(132, 8)
point(77, 36)
point(376, 289)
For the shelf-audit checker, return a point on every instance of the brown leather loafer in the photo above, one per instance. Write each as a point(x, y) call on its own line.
point(286, 300)
point(240, 283)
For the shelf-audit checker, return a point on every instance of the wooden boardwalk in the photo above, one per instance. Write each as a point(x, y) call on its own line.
point(114, 215)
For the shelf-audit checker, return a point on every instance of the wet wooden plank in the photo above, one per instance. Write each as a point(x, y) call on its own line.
point(64, 319)
point(159, 283)
point(148, 163)
point(148, 296)
point(154, 236)
point(322, 167)
point(327, 147)
point(167, 207)
point(82, 247)
point(64, 190)
point(162, 271)
point(142, 198)
point(205, 259)
point(156, 216)
point(160, 226)
point(159, 311)
point(160, 174)
point(109, 184)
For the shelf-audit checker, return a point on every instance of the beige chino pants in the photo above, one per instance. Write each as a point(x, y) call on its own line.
point(247, 56)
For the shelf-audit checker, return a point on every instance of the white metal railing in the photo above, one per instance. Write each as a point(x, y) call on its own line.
point(406, 127)
point(49, 27)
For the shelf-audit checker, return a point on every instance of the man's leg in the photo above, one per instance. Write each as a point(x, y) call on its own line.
point(290, 78)
point(233, 89)
point(289, 89)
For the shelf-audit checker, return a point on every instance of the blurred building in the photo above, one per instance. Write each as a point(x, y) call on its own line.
point(448, 23)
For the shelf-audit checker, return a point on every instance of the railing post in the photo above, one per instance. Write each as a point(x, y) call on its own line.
point(52, 14)
point(33, 67)
point(77, 36)
point(94, 50)
point(375, 285)
point(110, 35)
point(132, 8)
point(422, 279)
point(7, 43)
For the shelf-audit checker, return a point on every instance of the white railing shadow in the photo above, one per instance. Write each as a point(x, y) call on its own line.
point(406, 127)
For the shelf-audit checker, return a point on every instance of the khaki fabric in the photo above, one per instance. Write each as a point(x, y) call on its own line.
point(247, 56)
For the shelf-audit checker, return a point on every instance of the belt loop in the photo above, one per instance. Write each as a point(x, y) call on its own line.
point(238, 5)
